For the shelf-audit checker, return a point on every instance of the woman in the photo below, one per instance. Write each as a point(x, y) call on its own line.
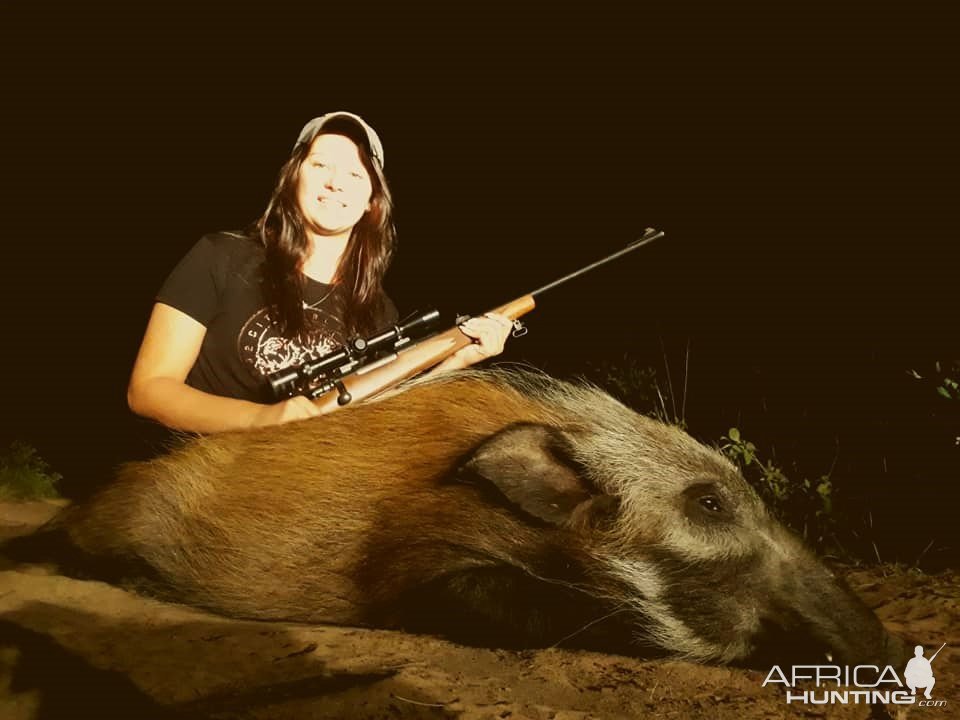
point(308, 275)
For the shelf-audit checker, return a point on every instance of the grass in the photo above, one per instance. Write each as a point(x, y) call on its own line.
point(24, 475)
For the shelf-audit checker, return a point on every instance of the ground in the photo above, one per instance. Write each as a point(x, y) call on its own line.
point(82, 649)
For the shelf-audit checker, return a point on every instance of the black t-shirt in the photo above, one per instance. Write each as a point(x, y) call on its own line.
point(219, 284)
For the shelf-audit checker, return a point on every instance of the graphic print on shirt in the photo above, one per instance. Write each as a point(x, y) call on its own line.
point(264, 350)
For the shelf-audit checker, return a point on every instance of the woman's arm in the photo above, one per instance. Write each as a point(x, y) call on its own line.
point(158, 388)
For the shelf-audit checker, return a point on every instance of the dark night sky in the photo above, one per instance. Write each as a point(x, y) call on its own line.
point(802, 162)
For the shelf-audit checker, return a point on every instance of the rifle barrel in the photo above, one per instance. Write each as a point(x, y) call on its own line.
point(648, 237)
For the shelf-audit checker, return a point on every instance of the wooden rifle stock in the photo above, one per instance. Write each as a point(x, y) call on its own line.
point(413, 360)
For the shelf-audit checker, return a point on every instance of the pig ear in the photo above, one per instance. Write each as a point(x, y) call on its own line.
point(529, 465)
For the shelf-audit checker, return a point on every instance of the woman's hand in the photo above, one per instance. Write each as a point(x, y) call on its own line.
point(295, 408)
point(489, 333)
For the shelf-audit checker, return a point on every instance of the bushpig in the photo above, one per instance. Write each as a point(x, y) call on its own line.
point(502, 508)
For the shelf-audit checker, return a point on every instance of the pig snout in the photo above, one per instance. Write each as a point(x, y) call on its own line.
point(820, 608)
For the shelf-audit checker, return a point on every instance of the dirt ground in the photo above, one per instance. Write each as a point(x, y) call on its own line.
point(83, 649)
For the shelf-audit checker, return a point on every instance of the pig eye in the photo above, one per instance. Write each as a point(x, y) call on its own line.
point(704, 501)
point(711, 503)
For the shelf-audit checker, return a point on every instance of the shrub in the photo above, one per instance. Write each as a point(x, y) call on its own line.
point(24, 475)
point(806, 506)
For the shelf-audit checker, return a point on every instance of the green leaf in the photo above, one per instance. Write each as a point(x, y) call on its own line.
point(734, 434)
point(946, 393)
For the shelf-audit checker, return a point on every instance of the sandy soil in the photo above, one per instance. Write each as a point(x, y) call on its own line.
point(82, 649)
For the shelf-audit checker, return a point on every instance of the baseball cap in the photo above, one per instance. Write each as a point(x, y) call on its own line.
point(312, 128)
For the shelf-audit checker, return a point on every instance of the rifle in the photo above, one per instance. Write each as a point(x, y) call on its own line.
point(366, 366)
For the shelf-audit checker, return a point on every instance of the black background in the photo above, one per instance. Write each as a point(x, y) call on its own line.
point(802, 161)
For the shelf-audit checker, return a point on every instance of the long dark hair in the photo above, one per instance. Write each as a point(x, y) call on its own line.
point(282, 231)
